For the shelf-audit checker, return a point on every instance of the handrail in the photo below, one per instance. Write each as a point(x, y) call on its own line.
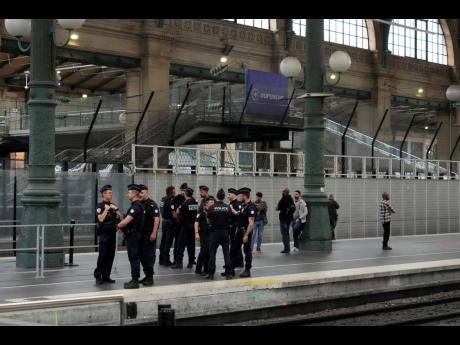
point(142, 116)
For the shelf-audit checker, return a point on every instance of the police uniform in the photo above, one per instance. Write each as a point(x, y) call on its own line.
point(188, 212)
point(219, 216)
point(107, 232)
point(178, 200)
point(168, 229)
point(236, 254)
point(148, 247)
point(133, 232)
point(248, 210)
point(203, 256)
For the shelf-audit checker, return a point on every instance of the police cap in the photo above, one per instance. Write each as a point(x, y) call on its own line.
point(204, 188)
point(245, 191)
point(210, 197)
point(105, 188)
point(184, 186)
point(233, 191)
point(220, 194)
point(143, 187)
point(134, 187)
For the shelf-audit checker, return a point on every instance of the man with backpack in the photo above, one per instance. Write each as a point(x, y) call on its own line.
point(286, 207)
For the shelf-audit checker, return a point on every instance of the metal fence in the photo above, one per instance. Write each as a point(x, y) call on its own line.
point(190, 160)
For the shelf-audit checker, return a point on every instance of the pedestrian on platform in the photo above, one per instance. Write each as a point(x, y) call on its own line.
point(286, 207)
point(299, 218)
point(132, 226)
point(108, 216)
point(259, 222)
point(385, 218)
point(333, 206)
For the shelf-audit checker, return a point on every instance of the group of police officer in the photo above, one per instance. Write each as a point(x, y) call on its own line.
point(212, 222)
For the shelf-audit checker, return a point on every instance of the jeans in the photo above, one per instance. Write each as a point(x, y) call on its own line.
point(284, 228)
point(297, 228)
point(258, 231)
point(386, 233)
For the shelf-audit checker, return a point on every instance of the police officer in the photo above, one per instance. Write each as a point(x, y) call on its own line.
point(219, 223)
point(236, 254)
point(243, 235)
point(132, 227)
point(168, 225)
point(187, 213)
point(178, 200)
point(202, 235)
point(147, 251)
point(108, 216)
point(204, 193)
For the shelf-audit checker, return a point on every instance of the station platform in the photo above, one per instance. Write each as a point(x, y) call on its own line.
point(352, 267)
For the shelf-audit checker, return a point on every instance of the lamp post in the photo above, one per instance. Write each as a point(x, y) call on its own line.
point(41, 198)
point(453, 95)
point(317, 233)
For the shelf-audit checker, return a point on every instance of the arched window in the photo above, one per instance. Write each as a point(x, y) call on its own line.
point(257, 23)
point(427, 43)
point(350, 32)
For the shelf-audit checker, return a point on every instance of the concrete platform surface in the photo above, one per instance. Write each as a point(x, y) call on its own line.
point(19, 285)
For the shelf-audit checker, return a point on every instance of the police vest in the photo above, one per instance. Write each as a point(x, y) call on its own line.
point(219, 216)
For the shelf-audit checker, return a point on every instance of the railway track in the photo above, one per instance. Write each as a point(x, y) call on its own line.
point(407, 314)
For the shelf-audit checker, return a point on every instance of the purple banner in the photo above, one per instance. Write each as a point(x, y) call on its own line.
point(269, 93)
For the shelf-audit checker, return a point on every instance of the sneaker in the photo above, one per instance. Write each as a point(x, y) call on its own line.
point(231, 273)
point(108, 280)
point(99, 281)
point(133, 284)
point(387, 248)
point(245, 274)
point(176, 266)
point(295, 249)
point(147, 281)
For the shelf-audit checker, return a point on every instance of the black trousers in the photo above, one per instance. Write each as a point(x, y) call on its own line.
point(107, 243)
point(133, 245)
point(216, 238)
point(239, 234)
point(177, 227)
point(186, 238)
point(386, 233)
point(167, 238)
point(237, 256)
point(203, 257)
point(147, 254)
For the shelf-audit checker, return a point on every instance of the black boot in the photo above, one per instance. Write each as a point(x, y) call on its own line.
point(210, 276)
point(190, 265)
point(197, 271)
point(177, 265)
point(245, 274)
point(99, 281)
point(167, 263)
point(108, 280)
point(147, 281)
point(133, 284)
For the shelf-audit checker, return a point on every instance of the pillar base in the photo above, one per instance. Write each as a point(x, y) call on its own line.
point(28, 260)
point(317, 232)
point(316, 245)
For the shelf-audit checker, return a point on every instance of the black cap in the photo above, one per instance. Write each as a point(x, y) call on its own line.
point(134, 187)
point(210, 197)
point(106, 187)
point(233, 191)
point(184, 186)
point(189, 191)
point(259, 194)
point(205, 188)
point(220, 194)
point(143, 187)
point(245, 191)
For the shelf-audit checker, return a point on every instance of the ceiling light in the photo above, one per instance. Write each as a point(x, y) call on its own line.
point(426, 127)
point(420, 90)
point(333, 76)
point(74, 37)
point(223, 59)
point(84, 95)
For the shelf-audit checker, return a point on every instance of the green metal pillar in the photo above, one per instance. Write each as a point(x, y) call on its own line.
point(41, 197)
point(317, 234)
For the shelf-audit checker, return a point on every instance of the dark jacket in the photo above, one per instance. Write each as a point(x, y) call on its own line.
point(286, 206)
point(333, 206)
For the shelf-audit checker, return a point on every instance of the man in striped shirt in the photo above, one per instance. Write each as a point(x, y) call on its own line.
point(385, 218)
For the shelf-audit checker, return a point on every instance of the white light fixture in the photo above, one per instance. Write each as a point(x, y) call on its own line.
point(122, 118)
point(84, 95)
point(290, 67)
point(74, 37)
point(333, 76)
point(339, 61)
point(71, 24)
point(223, 59)
point(420, 90)
point(453, 93)
point(426, 127)
point(18, 27)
